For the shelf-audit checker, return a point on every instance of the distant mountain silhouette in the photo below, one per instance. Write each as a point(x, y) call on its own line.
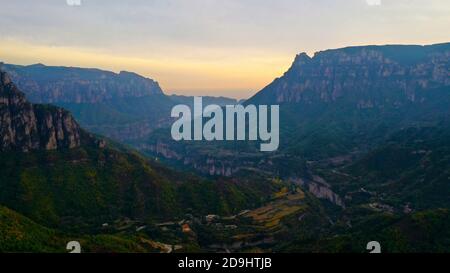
point(124, 106)
point(367, 76)
point(57, 84)
point(340, 101)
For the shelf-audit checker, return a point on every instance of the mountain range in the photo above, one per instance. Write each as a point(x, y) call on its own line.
point(122, 106)
point(340, 103)
point(63, 177)
point(364, 155)
point(363, 128)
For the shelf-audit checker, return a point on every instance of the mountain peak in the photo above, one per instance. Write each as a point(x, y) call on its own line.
point(365, 76)
point(302, 58)
point(129, 73)
point(26, 127)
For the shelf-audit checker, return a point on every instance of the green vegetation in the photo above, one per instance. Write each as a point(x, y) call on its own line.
point(20, 234)
point(424, 232)
point(85, 187)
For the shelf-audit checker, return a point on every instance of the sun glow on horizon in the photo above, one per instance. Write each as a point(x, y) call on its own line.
point(239, 78)
point(208, 47)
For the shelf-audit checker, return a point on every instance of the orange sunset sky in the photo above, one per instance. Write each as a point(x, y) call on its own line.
point(208, 47)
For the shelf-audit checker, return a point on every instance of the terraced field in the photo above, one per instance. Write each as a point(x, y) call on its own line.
point(286, 204)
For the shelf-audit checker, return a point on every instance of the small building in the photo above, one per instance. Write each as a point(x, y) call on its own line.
point(186, 228)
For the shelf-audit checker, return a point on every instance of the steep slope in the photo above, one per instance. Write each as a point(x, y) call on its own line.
point(29, 127)
point(340, 103)
point(70, 183)
point(420, 232)
point(19, 234)
point(121, 106)
point(52, 84)
point(351, 98)
point(125, 106)
point(367, 76)
point(411, 171)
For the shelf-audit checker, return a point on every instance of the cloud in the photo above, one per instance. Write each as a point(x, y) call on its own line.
point(232, 37)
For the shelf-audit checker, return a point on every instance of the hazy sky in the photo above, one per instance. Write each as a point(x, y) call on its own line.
point(215, 47)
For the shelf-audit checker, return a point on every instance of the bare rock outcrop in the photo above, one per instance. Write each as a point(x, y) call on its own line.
point(27, 127)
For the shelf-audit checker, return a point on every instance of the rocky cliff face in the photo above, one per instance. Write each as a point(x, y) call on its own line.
point(26, 127)
point(122, 106)
point(49, 84)
point(338, 104)
point(367, 76)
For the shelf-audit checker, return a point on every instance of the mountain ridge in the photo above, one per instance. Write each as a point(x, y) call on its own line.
point(60, 84)
point(117, 105)
point(379, 167)
point(336, 104)
point(322, 77)
point(27, 127)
